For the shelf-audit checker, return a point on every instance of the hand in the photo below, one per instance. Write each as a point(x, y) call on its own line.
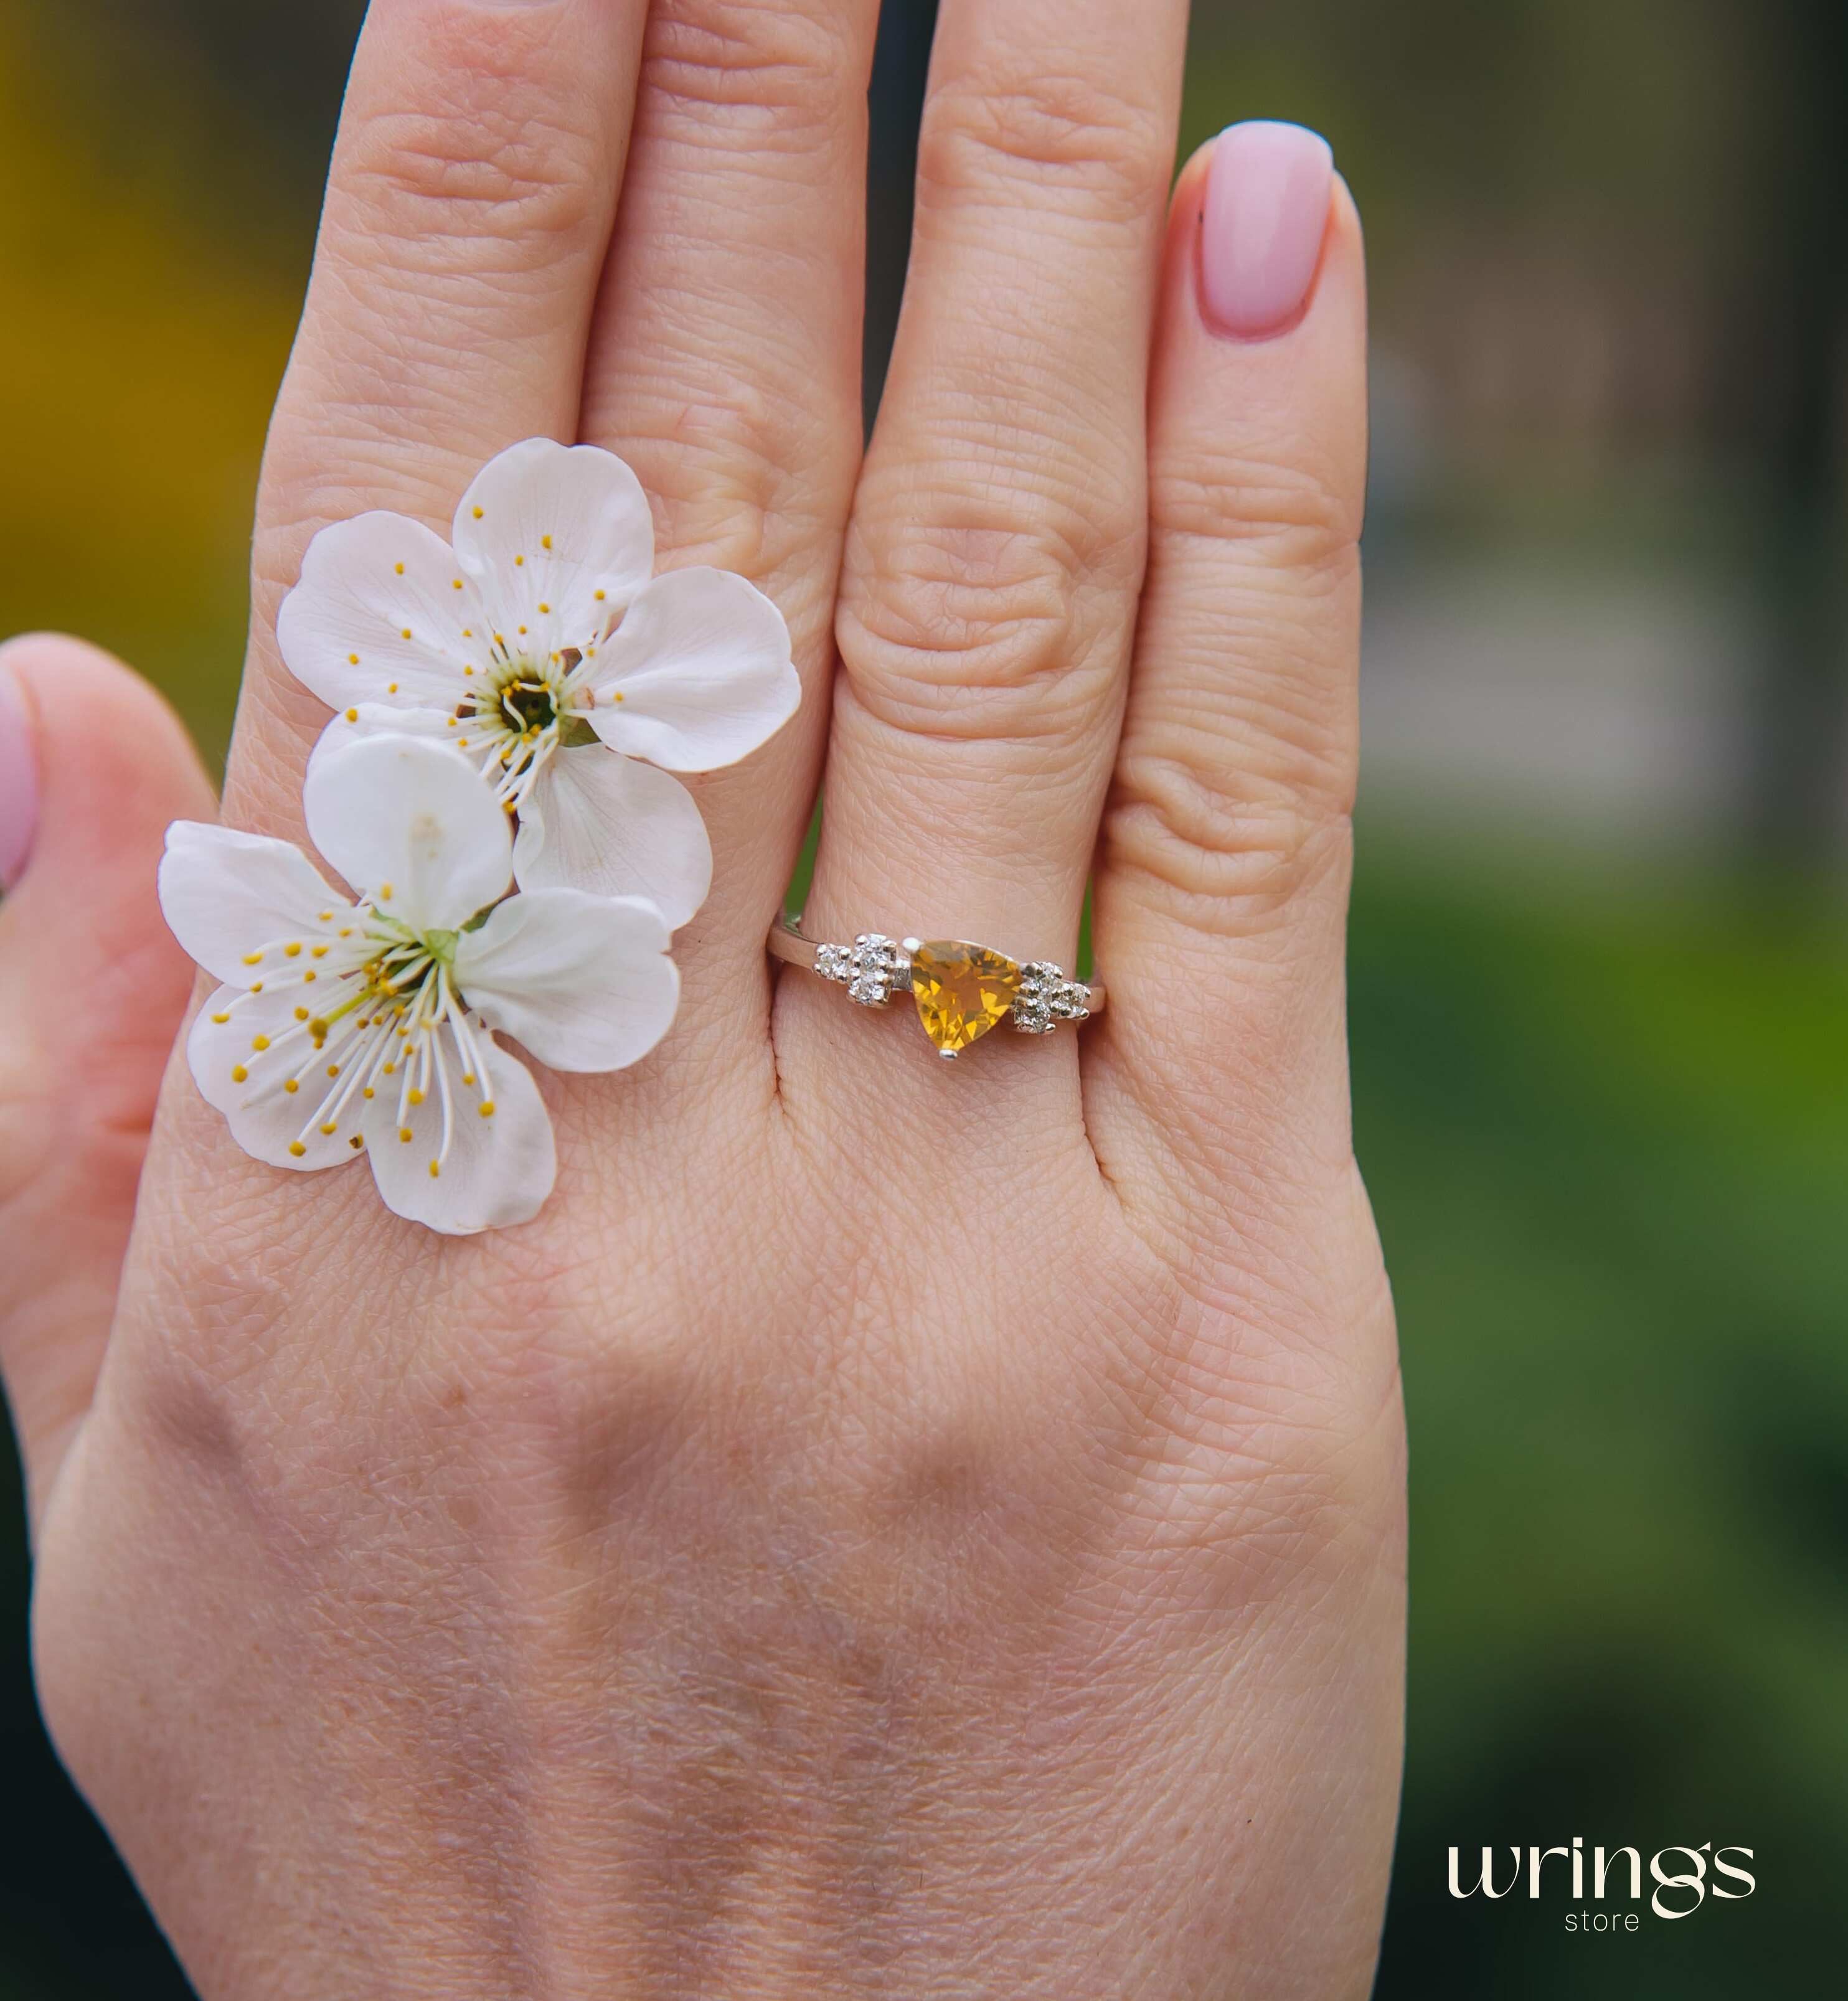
point(889, 1527)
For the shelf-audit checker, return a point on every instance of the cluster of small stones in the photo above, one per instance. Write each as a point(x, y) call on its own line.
point(1045, 998)
point(872, 969)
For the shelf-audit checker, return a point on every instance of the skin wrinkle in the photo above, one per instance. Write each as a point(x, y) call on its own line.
point(1234, 869)
point(1288, 733)
point(1296, 754)
point(1079, 141)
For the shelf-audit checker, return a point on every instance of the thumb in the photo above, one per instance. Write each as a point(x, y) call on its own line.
point(93, 765)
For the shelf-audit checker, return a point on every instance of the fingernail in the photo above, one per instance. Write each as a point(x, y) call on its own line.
point(1261, 225)
point(19, 783)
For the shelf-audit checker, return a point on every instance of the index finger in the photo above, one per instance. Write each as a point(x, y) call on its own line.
point(469, 208)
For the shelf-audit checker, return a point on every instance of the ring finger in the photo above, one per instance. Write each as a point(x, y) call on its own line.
point(996, 547)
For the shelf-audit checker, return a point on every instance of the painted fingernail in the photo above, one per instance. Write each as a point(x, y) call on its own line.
point(1261, 225)
point(19, 783)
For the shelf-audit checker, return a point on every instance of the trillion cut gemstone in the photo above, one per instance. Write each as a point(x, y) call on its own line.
point(962, 991)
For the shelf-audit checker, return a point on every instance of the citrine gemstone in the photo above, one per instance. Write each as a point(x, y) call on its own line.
point(962, 990)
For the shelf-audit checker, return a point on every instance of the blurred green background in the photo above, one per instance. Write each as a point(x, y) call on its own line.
point(1600, 981)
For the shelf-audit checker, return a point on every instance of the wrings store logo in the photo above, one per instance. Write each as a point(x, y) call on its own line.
point(1682, 1879)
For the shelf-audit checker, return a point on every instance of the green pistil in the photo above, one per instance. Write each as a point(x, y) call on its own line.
point(530, 703)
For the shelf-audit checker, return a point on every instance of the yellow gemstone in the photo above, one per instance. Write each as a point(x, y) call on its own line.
point(962, 990)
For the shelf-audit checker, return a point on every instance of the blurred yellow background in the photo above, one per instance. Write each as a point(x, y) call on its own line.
point(1600, 979)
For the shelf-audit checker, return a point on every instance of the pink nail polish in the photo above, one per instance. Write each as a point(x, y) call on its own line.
point(18, 784)
point(1261, 227)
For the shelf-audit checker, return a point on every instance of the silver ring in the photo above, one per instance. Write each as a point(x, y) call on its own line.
point(962, 990)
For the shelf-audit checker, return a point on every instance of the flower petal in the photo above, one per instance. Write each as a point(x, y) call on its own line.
point(584, 982)
point(499, 1168)
point(558, 538)
point(379, 615)
point(698, 675)
point(248, 1084)
point(226, 894)
point(409, 823)
point(598, 821)
point(378, 718)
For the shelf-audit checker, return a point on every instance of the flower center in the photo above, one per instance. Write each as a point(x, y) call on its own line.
point(524, 712)
point(394, 1027)
point(530, 705)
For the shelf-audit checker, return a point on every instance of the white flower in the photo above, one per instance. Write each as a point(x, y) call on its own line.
point(538, 644)
point(345, 1028)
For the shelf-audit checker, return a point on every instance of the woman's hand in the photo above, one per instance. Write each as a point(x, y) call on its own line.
point(889, 1527)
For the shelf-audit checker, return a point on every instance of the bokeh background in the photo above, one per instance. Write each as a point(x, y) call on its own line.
point(1600, 981)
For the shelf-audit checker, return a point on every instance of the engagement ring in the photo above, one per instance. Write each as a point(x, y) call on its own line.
point(962, 990)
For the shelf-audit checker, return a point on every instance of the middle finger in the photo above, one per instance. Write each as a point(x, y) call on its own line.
point(724, 366)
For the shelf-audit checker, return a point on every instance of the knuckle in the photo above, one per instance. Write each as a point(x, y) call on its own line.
point(1065, 134)
point(729, 475)
point(502, 187)
point(1296, 517)
point(777, 71)
point(1025, 608)
point(1227, 858)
